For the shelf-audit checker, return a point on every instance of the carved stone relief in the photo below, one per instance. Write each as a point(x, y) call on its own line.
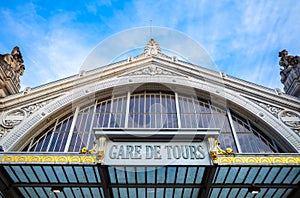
point(290, 119)
point(152, 70)
point(13, 118)
point(32, 108)
point(272, 109)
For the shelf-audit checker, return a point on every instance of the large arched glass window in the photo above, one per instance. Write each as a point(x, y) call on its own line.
point(155, 110)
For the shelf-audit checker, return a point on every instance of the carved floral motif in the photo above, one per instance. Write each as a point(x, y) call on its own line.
point(272, 109)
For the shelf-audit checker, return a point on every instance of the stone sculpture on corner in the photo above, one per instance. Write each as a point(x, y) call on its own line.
point(11, 68)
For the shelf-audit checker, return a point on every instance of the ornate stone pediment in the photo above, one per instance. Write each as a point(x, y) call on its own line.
point(153, 70)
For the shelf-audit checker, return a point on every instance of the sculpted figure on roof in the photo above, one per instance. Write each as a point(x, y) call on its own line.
point(287, 62)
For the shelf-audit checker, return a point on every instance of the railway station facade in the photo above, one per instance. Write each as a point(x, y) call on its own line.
point(151, 125)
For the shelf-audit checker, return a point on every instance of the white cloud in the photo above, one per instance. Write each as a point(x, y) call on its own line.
point(242, 37)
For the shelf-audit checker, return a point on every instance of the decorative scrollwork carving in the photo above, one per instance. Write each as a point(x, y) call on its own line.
point(33, 108)
point(272, 109)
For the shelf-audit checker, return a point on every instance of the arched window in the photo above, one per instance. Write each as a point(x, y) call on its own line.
point(155, 110)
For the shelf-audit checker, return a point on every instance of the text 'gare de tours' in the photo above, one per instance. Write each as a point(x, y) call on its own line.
point(157, 151)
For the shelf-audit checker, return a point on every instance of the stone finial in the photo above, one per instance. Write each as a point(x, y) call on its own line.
point(152, 47)
point(12, 68)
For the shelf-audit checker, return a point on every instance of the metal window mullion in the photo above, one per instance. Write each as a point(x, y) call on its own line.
point(127, 110)
point(72, 129)
point(111, 110)
point(239, 149)
point(161, 110)
point(195, 112)
point(145, 112)
point(92, 123)
point(177, 110)
point(212, 119)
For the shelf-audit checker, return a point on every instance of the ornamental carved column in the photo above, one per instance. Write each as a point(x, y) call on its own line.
point(290, 73)
point(11, 68)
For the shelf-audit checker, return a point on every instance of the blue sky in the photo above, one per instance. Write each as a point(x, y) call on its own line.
point(242, 37)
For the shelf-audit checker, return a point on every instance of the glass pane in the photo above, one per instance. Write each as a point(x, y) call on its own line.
point(123, 192)
point(242, 174)
point(178, 192)
point(181, 175)
point(262, 174)
point(40, 173)
point(272, 174)
point(70, 174)
point(187, 192)
point(222, 174)
point(151, 175)
point(200, 175)
point(80, 174)
point(111, 172)
point(140, 175)
point(171, 174)
point(195, 192)
point(120, 175)
point(132, 192)
point(90, 174)
point(130, 171)
point(141, 192)
point(161, 172)
point(232, 174)
point(11, 174)
point(60, 174)
point(20, 173)
point(191, 174)
point(169, 192)
point(252, 174)
point(31, 192)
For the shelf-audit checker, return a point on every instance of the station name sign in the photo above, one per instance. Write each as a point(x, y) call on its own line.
point(156, 153)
